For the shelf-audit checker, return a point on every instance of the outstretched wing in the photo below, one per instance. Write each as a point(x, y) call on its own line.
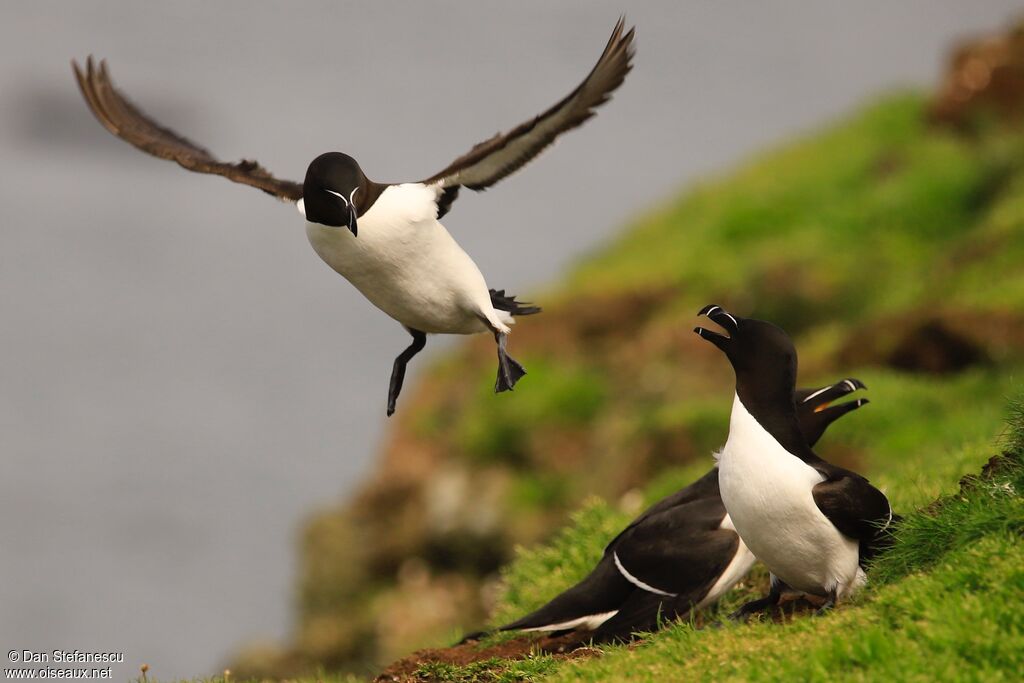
point(493, 159)
point(852, 504)
point(126, 121)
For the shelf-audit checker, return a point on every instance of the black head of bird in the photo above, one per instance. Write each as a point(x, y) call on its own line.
point(817, 408)
point(762, 355)
point(331, 191)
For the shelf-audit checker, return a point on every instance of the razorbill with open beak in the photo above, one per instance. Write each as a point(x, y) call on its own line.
point(681, 554)
point(812, 523)
point(385, 238)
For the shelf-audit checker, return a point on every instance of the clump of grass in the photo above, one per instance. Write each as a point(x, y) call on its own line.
point(988, 504)
point(1014, 435)
point(991, 506)
point(492, 670)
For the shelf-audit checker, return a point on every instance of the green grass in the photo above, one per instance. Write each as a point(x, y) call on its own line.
point(960, 621)
point(489, 671)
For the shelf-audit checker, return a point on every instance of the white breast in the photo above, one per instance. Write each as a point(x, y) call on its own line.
point(767, 492)
point(407, 264)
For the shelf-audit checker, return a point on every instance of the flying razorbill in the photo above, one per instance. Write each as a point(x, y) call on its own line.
point(385, 238)
point(681, 554)
point(813, 524)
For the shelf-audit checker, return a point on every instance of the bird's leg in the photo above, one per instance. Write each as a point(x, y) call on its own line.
point(754, 607)
point(830, 602)
point(760, 605)
point(509, 370)
point(419, 340)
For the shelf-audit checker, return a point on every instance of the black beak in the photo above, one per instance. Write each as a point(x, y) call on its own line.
point(823, 417)
point(833, 413)
point(815, 410)
point(721, 317)
point(350, 211)
point(820, 399)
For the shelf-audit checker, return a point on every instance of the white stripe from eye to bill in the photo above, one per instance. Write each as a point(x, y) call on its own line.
point(338, 195)
point(724, 312)
point(816, 393)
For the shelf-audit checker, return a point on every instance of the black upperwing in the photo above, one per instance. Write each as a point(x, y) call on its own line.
point(504, 153)
point(855, 507)
point(679, 550)
point(123, 119)
point(678, 554)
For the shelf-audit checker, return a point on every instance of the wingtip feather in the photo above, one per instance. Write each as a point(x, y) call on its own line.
point(121, 118)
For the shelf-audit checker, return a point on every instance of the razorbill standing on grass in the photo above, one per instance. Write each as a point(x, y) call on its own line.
point(385, 238)
point(681, 554)
point(812, 523)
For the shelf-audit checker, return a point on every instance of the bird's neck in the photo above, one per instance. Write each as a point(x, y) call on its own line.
point(776, 413)
point(369, 193)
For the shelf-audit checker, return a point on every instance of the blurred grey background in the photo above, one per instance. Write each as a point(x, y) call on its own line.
point(182, 380)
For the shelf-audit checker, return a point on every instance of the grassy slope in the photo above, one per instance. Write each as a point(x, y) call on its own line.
point(849, 239)
point(944, 605)
point(876, 219)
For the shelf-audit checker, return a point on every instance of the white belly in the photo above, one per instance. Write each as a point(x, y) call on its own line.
point(407, 264)
point(767, 492)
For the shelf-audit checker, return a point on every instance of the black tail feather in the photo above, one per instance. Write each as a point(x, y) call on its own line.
point(508, 303)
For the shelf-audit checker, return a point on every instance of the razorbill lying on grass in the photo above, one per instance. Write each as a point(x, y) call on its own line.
point(681, 554)
point(813, 524)
point(391, 247)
